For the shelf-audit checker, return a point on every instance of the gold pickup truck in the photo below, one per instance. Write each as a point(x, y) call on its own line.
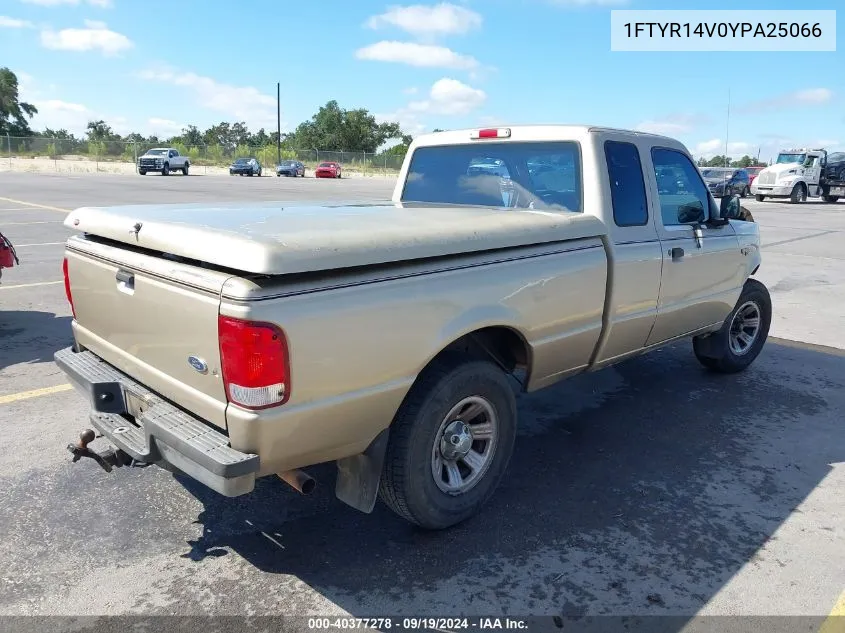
point(230, 342)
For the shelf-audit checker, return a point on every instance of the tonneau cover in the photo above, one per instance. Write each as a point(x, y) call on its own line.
point(277, 238)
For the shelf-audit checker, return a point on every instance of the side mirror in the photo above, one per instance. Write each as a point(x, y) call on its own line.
point(729, 207)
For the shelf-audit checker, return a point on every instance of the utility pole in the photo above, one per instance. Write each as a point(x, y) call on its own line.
point(278, 123)
point(727, 127)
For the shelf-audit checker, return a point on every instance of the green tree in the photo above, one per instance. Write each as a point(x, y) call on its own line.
point(13, 112)
point(333, 128)
point(100, 131)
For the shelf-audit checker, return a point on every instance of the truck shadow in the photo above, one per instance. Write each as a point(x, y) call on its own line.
point(637, 490)
point(28, 336)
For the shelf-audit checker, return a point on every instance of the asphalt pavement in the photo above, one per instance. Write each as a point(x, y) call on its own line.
point(652, 487)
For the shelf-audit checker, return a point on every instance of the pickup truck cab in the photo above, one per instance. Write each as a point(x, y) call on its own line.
point(232, 342)
point(163, 160)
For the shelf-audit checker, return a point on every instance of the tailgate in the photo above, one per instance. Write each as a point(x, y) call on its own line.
point(152, 318)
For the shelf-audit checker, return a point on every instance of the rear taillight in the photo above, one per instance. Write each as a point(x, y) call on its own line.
point(502, 132)
point(255, 363)
point(68, 293)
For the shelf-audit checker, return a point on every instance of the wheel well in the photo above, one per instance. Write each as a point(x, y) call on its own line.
point(505, 346)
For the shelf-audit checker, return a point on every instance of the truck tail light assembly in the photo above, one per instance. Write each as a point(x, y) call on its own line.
point(68, 293)
point(255, 363)
point(501, 132)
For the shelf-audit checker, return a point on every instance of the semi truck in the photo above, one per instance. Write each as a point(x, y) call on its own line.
point(801, 173)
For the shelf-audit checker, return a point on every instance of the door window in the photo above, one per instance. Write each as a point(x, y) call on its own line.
point(681, 191)
point(627, 187)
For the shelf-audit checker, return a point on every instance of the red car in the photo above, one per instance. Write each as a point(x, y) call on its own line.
point(753, 172)
point(8, 256)
point(328, 169)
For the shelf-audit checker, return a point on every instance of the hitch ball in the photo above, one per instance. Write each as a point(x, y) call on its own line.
point(85, 438)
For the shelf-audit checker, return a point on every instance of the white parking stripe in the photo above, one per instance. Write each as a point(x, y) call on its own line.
point(42, 244)
point(27, 223)
point(40, 283)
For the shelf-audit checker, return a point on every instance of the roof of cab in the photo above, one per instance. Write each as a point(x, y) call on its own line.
point(533, 132)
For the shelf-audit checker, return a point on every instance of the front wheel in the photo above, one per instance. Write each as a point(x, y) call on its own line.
point(450, 443)
point(735, 346)
point(759, 198)
point(831, 199)
point(142, 172)
point(165, 171)
point(799, 194)
point(745, 192)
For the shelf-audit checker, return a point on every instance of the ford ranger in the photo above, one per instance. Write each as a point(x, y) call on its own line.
point(231, 342)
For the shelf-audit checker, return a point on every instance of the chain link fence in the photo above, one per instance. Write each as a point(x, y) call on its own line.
point(40, 153)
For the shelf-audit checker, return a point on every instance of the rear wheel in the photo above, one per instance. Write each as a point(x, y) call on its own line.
point(831, 199)
point(185, 169)
point(759, 198)
point(450, 442)
point(743, 334)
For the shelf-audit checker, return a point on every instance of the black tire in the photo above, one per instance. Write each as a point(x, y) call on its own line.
point(185, 168)
point(165, 171)
point(798, 195)
point(143, 173)
point(759, 198)
point(715, 351)
point(746, 191)
point(831, 199)
point(408, 486)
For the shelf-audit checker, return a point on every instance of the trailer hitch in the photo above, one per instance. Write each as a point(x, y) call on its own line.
point(108, 459)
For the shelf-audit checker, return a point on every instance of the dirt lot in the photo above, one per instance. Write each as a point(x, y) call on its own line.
point(649, 488)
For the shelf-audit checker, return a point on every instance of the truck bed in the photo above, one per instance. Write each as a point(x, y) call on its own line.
point(276, 238)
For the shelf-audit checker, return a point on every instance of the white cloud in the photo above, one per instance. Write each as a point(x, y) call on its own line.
point(450, 97)
point(716, 147)
point(408, 121)
point(14, 23)
point(673, 124)
point(103, 4)
point(809, 97)
point(419, 55)
point(95, 36)
point(240, 103)
point(428, 21)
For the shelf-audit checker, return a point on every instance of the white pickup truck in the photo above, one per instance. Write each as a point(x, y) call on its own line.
point(163, 160)
point(231, 342)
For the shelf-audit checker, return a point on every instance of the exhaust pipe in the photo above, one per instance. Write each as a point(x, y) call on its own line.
point(299, 480)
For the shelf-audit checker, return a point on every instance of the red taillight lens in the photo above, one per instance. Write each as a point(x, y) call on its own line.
point(255, 363)
point(68, 293)
point(488, 133)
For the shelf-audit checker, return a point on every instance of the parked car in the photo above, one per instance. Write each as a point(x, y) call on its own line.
point(753, 172)
point(835, 166)
point(328, 169)
point(163, 160)
point(726, 181)
point(290, 168)
point(245, 167)
point(8, 256)
point(232, 346)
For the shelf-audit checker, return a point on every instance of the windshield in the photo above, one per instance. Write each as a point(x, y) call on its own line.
point(156, 152)
point(499, 174)
point(754, 170)
point(716, 173)
point(791, 158)
point(286, 163)
point(326, 164)
point(241, 161)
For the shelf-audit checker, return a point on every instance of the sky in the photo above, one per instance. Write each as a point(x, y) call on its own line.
point(154, 66)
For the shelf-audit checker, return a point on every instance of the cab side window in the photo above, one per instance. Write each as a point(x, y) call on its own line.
point(681, 191)
point(627, 187)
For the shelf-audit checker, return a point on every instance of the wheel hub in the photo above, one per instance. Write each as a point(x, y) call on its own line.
point(456, 441)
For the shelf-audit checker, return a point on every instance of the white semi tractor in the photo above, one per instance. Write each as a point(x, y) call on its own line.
point(801, 173)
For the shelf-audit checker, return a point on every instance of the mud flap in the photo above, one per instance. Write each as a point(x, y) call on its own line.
point(358, 476)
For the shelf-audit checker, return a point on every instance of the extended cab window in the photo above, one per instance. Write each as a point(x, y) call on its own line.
point(545, 175)
point(627, 187)
point(682, 193)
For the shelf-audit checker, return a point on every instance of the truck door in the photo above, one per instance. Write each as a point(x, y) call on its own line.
point(812, 173)
point(637, 252)
point(703, 268)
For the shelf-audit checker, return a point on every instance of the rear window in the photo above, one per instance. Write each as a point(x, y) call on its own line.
point(525, 175)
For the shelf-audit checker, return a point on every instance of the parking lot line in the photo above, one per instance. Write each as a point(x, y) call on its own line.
point(40, 283)
point(34, 393)
point(835, 622)
point(33, 204)
point(40, 244)
point(28, 223)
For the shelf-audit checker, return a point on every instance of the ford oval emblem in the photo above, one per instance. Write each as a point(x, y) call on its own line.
point(198, 364)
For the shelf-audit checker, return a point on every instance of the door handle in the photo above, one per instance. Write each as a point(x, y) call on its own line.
point(676, 253)
point(125, 281)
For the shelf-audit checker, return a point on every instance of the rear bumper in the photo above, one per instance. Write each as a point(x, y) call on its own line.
point(151, 430)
